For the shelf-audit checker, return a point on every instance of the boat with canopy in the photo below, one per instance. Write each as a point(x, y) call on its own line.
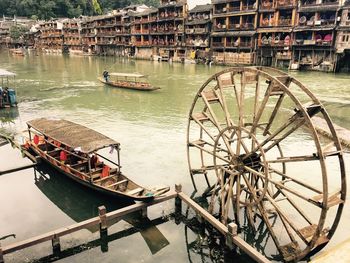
point(127, 81)
point(7, 93)
point(80, 153)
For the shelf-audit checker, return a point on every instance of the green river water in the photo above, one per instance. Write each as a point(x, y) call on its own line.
point(151, 128)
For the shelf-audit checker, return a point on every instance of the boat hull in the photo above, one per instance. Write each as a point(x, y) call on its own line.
point(118, 85)
point(61, 169)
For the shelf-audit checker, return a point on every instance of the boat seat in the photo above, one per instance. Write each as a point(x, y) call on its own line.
point(54, 152)
point(135, 191)
point(79, 166)
point(118, 183)
point(105, 178)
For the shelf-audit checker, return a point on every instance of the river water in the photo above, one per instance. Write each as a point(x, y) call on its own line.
point(151, 128)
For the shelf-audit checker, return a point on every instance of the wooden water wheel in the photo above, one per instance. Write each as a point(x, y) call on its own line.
point(252, 139)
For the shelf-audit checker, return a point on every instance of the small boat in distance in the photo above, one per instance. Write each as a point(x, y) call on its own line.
point(127, 81)
point(17, 52)
point(75, 151)
point(7, 93)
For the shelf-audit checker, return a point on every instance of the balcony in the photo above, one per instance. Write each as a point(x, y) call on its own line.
point(145, 31)
point(218, 44)
point(285, 22)
point(266, 22)
point(285, 3)
point(315, 6)
point(220, 11)
point(247, 8)
point(232, 44)
point(200, 30)
point(136, 31)
point(246, 44)
point(266, 5)
point(247, 26)
point(219, 27)
point(233, 9)
point(234, 26)
point(189, 31)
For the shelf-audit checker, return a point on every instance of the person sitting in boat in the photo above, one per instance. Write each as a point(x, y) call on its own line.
point(106, 75)
point(94, 161)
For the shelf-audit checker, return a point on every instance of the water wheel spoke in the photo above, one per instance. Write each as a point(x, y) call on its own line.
point(222, 158)
point(216, 122)
point(228, 199)
point(294, 204)
point(261, 109)
point(313, 157)
point(237, 201)
point(288, 221)
point(278, 184)
point(296, 120)
point(223, 104)
point(273, 114)
point(203, 128)
point(297, 181)
point(252, 191)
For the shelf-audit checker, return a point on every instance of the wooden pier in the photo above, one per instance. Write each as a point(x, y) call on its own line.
point(230, 231)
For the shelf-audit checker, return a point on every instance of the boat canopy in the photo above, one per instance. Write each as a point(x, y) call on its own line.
point(72, 134)
point(5, 73)
point(127, 75)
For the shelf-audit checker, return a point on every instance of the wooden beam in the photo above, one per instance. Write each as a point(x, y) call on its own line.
point(238, 241)
point(12, 170)
point(82, 225)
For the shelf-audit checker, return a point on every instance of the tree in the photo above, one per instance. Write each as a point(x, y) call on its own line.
point(17, 32)
point(96, 7)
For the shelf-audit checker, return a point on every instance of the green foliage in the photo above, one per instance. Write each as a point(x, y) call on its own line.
point(96, 7)
point(46, 9)
point(16, 32)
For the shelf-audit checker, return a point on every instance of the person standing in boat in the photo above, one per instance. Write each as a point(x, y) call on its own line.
point(106, 75)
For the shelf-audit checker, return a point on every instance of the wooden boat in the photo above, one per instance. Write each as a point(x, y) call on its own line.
point(17, 52)
point(75, 151)
point(128, 81)
point(7, 93)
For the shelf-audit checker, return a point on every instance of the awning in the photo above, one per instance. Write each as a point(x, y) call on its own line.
point(72, 134)
point(233, 33)
point(323, 28)
point(240, 33)
point(131, 75)
point(274, 29)
point(5, 73)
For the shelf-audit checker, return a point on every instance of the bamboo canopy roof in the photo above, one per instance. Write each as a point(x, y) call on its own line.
point(72, 134)
point(128, 75)
point(5, 73)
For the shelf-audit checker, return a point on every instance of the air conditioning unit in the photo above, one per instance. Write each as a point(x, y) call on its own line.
point(317, 22)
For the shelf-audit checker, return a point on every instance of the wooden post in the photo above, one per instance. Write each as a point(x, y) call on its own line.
point(56, 246)
point(232, 231)
point(1, 256)
point(178, 204)
point(103, 219)
point(103, 228)
point(144, 212)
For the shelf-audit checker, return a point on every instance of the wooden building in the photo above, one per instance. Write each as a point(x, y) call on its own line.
point(88, 35)
point(51, 37)
point(71, 36)
point(197, 32)
point(342, 43)
point(168, 33)
point(140, 32)
point(234, 28)
point(314, 35)
point(276, 21)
